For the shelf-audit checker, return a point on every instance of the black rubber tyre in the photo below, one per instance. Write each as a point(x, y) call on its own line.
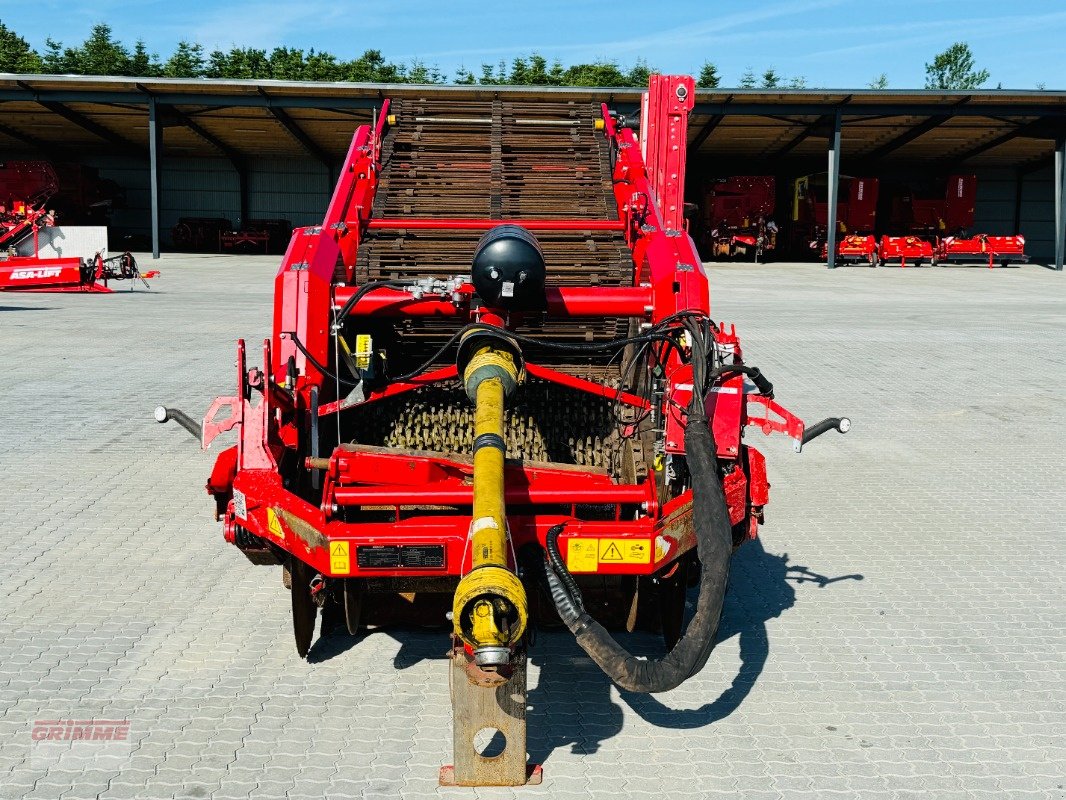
point(672, 593)
point(352, 598)
point(304, 610)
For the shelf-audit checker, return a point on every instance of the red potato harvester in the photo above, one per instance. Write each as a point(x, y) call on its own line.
point(25, 188)
point(738, 217)
point(494, 375)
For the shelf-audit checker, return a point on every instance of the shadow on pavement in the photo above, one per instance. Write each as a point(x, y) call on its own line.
point(761, 588)
point(571, 705)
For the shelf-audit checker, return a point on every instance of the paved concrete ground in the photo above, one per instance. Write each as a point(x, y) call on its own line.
point(899, 630)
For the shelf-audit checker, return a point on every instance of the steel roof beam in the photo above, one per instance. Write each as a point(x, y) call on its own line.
point(823, 122)
point(908, 136)
point(305, 141)
point(234, 156)
point(861, 109)
point(29, 141)
point(30, 94)
point(95, 128)
point(1038, 128)
point(706, 131)
point(759, 107)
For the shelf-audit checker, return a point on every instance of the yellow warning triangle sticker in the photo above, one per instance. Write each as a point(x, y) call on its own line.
point(273, 524)
point(611, 554)
point(339, 559)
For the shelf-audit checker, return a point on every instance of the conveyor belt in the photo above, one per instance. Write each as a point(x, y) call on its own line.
point(497, 160)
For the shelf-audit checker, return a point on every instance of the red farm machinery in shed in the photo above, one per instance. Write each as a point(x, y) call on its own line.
point(26, 187)
point(494, 378)
point(736, 218)
point(856, 217)
point(935, 217)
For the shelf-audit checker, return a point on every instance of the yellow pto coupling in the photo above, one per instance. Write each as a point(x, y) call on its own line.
point(489, 611)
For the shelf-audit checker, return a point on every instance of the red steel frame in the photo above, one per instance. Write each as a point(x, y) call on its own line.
point(981, 247)
point(905, 248)
point(251, 492)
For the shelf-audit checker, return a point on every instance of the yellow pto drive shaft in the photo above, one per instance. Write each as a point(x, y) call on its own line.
point(489, 611)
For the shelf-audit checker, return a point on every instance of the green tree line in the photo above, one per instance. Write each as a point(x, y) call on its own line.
point(103, 54)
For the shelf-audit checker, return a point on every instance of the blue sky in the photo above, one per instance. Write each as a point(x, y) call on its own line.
point(832, 43)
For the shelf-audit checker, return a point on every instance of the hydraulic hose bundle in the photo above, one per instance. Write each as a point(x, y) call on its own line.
point(713, 545)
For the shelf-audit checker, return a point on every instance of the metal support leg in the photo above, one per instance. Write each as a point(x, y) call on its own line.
point(489, 712)
point(155, 151)
point(834, 193)
point(1060, 201)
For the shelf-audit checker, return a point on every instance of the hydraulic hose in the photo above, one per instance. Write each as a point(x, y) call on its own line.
point(762, 383)
point(714, 545)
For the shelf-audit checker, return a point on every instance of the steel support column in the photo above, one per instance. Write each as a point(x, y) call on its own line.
point(834, 192)
point(1060, 201)
point(242, 193)
point(1019, 191)
point(155, 151)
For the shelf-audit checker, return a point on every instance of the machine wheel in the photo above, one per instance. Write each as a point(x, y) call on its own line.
point(286, 576)
point(873, 260)
point(671, 596)
point(182, 236)
point(304, 609)
point(352, 597)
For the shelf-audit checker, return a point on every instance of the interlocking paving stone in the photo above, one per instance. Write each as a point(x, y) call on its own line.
point(897, 631)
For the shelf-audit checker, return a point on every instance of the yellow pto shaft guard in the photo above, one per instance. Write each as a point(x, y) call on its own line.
point(489, 610)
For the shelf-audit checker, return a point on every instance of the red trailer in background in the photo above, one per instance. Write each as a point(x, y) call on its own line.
point(856, 214)
point(737, 217)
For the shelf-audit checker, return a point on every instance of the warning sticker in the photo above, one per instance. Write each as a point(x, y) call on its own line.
point(586, 555)
point(340, 562)
point(274, 524)
point(581, 555)
point(624, 551)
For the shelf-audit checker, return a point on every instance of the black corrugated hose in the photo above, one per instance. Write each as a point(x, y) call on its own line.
point(714, 540)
